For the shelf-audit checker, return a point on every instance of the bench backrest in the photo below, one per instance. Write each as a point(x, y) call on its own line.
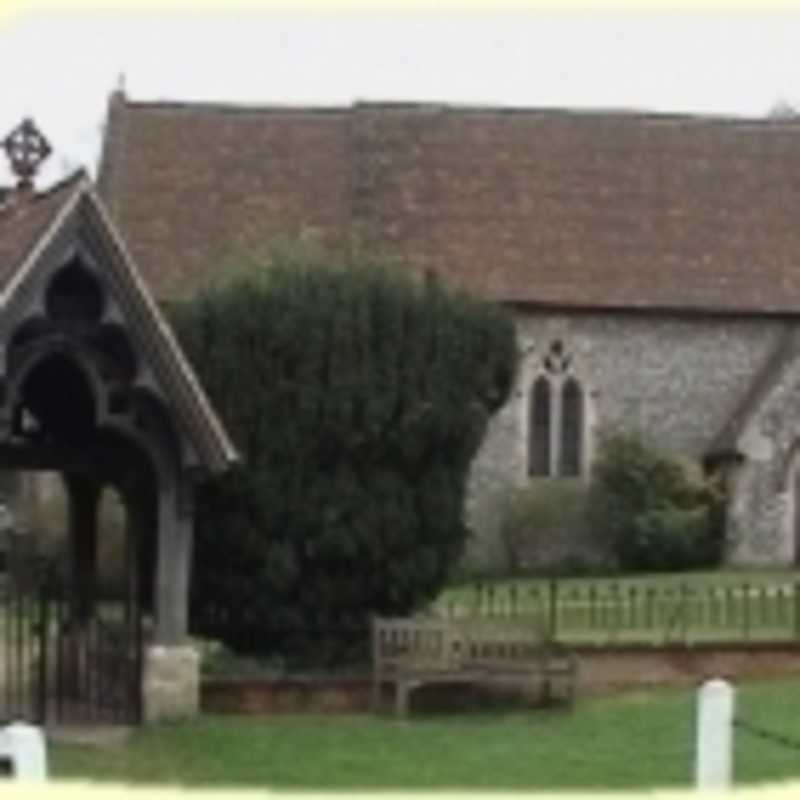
point(419, 644)
point(501, 641)
point(410, 643)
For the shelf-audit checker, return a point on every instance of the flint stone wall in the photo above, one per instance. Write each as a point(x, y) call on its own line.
point(763, 517)
point(678, 379)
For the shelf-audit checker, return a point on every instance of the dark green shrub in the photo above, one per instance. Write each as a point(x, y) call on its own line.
point(657, 513)
point(669, 539)
point(358, 397)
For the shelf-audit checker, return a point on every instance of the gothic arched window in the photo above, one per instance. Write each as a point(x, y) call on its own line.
point(571, 428)
point(556, 418)
point(540, 427)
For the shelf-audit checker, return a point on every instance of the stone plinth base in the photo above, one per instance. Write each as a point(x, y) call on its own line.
point(171, 683)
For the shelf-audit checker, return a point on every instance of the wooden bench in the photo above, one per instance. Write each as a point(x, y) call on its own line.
point(409, 652)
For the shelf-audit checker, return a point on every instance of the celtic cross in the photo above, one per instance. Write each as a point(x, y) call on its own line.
point(26, 149)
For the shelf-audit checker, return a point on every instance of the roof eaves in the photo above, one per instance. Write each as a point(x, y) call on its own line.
point(205, 423)
point(655, 308)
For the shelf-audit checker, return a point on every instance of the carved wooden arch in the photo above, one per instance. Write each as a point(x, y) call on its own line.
point(32, 355)
point(105, 376)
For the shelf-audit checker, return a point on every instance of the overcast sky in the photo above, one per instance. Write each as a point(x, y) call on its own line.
point(59, 67)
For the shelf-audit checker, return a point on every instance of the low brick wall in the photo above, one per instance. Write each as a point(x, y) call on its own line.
point(602, 670)
point(610, 669)
point(256, 695)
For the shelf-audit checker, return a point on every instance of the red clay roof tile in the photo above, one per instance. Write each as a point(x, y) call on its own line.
point(23, 220)
point(598, 210)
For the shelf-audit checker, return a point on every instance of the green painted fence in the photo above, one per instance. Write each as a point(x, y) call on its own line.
point(610, 612)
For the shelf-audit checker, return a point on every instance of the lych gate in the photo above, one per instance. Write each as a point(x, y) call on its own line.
point(94, 386)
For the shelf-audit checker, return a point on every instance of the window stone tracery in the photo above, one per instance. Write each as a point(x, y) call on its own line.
point(556, 417)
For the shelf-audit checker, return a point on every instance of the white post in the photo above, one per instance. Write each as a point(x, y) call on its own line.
point(23, 746)
point(714, 753)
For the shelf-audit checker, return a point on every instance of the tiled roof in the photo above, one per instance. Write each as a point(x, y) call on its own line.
point(24, 219)
point(187, 185)
point(595, 210)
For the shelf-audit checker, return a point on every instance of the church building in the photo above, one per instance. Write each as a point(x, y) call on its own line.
point(652, 263)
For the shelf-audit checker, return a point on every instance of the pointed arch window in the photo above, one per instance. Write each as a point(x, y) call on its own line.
point(556, 419)
point(570, 452)
point(540, 427)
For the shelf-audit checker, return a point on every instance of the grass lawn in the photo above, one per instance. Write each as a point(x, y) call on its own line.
point(632, 741)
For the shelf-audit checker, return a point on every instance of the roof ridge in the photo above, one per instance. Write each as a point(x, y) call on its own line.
point(232, 107)
point(443, 106)
point(63, 183)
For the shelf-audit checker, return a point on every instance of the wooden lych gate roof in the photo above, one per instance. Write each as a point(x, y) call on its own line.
point(35, 228)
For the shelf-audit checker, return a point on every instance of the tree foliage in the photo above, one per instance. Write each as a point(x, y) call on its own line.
point(543, 529)
point(657, 513)
point(358, 397)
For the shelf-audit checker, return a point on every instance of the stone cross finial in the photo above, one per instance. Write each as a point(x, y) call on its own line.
point(26, 149)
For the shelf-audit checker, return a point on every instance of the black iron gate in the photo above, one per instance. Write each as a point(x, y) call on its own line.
point(61, 668)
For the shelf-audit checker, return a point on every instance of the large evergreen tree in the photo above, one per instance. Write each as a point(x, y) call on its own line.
point(358, 397)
